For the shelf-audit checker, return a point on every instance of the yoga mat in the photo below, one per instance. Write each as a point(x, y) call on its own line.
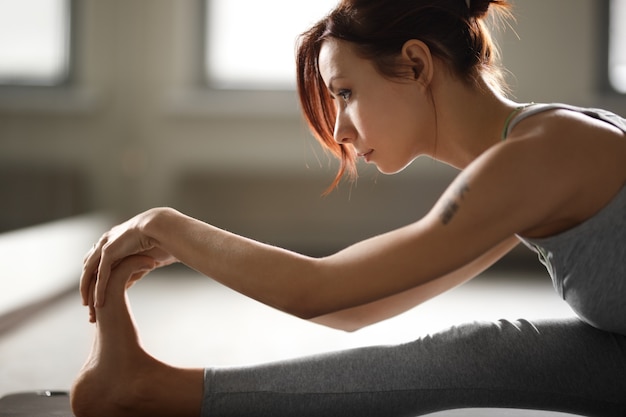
point(36, 404)
point(57, 404)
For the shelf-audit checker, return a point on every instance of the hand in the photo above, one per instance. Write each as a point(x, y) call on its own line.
point(125, 274)
point(114, 246)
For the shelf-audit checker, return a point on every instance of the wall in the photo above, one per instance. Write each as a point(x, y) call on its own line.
point(137, 131)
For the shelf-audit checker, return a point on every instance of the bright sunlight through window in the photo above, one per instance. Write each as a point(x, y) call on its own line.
point(34, 41)
point(250, 44)
point(617, 45)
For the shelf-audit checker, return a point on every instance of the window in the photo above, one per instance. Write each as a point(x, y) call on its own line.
point(617, 45)
point(34, 42)
point(250, 44)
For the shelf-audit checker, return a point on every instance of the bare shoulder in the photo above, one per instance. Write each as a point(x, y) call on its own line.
point(583, 165)
point(553, 172)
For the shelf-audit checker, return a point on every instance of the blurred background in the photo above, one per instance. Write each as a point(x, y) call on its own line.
point(155, 102)
point(111, 107)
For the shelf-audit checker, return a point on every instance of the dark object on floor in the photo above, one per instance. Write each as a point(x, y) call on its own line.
point(36, 404)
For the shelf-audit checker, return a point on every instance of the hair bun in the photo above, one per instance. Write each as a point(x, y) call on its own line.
point(479, 8)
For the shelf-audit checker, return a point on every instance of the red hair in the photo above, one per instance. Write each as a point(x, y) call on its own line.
point(454, 31)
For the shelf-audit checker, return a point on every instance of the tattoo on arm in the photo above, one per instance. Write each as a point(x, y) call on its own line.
point(453, 203)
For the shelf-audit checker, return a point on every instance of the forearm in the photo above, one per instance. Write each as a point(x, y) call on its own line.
point(302, 286)
point(274, 276)
point(355, 318)
point(376, 269)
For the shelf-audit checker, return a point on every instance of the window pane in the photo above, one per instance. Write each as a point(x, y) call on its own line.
point(34, 41)
point(617, 45)
point(251, 43)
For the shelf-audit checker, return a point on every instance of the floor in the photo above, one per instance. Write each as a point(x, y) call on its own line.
point(187, 320)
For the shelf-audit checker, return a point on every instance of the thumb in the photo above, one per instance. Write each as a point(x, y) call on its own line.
point(126, 268)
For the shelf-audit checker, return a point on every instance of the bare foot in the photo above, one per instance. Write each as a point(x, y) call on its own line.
point(119, 378)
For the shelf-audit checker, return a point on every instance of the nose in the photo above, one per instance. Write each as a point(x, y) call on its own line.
point(344, 132)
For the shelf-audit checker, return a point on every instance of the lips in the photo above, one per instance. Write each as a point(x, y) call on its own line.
point(365, 155)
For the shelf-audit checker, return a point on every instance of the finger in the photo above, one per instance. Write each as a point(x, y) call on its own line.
point(101, 284)
point(89, 252)
point(104, 266)
point(131, 268)
point(90, 301)
point(88, 275)
point(105, 259)
point(92, 309)
point(87, 279)
point(134, 267)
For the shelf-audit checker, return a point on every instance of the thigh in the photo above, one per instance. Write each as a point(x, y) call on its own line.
point(560, 365)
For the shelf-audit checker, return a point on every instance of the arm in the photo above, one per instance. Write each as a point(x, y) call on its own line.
point(375, 269)
point(299, 285)
point(480, 211)
point(355, 318)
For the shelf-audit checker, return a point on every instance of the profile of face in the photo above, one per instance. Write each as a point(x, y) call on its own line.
point(388, 122)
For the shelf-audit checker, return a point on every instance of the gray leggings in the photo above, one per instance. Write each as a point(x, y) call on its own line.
point(558, 365)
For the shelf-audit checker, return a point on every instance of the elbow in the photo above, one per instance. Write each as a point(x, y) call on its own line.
point(339, 321)
point(308, 298)
point(314, 309)
point(305, 310)
point(308, 306)
point(317, 300)
point(347, 327)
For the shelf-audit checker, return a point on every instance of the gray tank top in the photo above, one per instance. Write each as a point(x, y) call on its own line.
point(587, 263)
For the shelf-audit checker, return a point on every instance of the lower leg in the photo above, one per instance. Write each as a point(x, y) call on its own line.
point(119, 378)
point(560, 365)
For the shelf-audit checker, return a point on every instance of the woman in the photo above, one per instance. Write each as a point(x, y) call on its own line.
point(388, 82)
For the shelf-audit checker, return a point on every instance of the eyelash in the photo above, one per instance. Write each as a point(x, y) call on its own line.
point(344, 94)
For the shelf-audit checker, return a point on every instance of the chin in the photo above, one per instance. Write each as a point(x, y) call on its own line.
point(392, 169)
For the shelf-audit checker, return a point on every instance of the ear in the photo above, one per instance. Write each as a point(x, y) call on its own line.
point(416, 54)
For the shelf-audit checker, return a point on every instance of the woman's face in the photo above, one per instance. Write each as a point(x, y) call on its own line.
point(385, 121)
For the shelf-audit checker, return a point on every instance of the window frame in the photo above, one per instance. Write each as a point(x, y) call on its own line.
point(66, 79)
point(203, 99)
point(244, 85)
point(606, 86)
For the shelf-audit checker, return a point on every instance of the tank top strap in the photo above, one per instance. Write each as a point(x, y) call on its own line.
point(531, 109)
point(526, 110)
point(511, 117)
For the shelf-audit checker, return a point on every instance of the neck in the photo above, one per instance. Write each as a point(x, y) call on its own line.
point(469, 120)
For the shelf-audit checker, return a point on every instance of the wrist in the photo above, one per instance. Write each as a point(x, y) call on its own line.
point(155, 223)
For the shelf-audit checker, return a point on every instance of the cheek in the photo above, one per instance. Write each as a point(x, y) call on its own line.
point(391, 120)
point(379, 121)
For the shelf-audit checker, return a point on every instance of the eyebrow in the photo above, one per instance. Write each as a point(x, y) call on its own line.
point(331, 86)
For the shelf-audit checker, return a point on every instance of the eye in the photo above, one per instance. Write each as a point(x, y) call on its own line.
point(344, 94)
